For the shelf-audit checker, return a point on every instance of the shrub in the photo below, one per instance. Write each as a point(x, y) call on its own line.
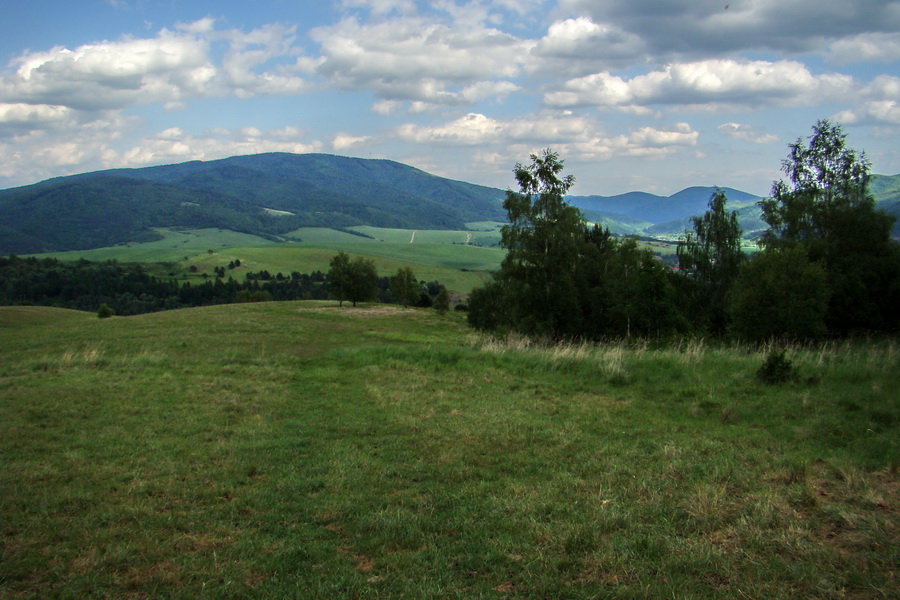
point(105, 311)
point(776, 368)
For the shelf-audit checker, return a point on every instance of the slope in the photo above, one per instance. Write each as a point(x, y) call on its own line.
point(262, 194)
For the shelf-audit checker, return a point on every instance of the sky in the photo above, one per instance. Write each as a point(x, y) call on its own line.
point(634, 95)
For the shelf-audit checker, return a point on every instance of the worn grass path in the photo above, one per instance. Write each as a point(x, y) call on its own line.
point(298, 450)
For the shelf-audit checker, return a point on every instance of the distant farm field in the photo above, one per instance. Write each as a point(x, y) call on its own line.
point(301, 450)
point(450, 257)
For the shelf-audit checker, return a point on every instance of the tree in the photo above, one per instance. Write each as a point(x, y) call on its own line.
point(825, 207)
point(363, 280)
point(711, 257)
point(542, 238)
point(442, 301)
point(405, 289)
point(339, 277)
point(780, 295)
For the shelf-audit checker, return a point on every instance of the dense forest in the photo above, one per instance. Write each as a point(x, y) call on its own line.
point(827, 264)
point(127, 289)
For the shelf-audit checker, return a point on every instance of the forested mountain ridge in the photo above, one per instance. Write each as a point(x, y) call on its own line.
point(275, 193)
point(263, 194)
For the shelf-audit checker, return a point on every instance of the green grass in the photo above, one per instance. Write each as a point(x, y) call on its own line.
point(433, 255)
point(174, 247)
point(299, 450)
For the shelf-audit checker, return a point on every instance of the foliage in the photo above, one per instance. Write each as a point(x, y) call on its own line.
point(826, 208)
point(542, 240)
point(561, 279)
point(405, 289)
point(781, 295)
point(362, 280)
point(339, 277)
point(776, 368)
point(104, 312)
point(711, 257)
point(442, 301)
point(130, 289)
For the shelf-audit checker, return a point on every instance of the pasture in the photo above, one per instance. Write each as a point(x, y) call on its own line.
point(300, 450)
point(432, 255)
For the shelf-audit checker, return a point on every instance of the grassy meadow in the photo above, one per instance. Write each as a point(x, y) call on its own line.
point(450, 257)
point(301, 450)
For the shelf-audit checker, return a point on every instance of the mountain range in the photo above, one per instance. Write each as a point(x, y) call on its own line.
point(275, 193)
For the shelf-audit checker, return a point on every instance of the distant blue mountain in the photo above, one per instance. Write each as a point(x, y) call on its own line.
point(649, 208)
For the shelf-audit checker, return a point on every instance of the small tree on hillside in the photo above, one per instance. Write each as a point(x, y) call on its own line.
point(339, 277)
point(405, 289)
point(363, 284)
point(442, 301)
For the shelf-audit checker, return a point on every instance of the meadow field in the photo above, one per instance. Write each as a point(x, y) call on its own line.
point(301, 450)
point(451, 257)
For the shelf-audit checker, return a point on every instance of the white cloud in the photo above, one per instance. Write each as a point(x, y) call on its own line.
point(649, 137)
point(575, 136)
point(722, 82)
point(581, 46)
point(747, 133)
point(867, 47)
point(879, 104)
point(170, 68)
point(411, 59)
point(345, 141)
point(23, 117)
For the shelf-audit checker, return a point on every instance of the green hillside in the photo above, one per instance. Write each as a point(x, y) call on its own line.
point(265, 195)
point(299, 450)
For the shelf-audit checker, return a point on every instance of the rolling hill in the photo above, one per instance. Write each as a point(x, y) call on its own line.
point(271, 195)
point(264, 194)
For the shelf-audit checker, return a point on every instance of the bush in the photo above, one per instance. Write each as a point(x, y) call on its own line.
point(776, 369)
point(105, 311)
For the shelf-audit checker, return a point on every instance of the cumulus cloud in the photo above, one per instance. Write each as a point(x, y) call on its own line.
point(174, 145)
point(170, 68)
point(867, 47)
point(21, 117)
point(747, 133)
point(345, 141)
point(724, 82)
point(878, 104)
point(574, 136)
point(411, 59)
point(696, 29)
point(579, 46)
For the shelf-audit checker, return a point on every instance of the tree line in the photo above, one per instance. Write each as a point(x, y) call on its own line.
point(826, 265)
point(128, 289)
